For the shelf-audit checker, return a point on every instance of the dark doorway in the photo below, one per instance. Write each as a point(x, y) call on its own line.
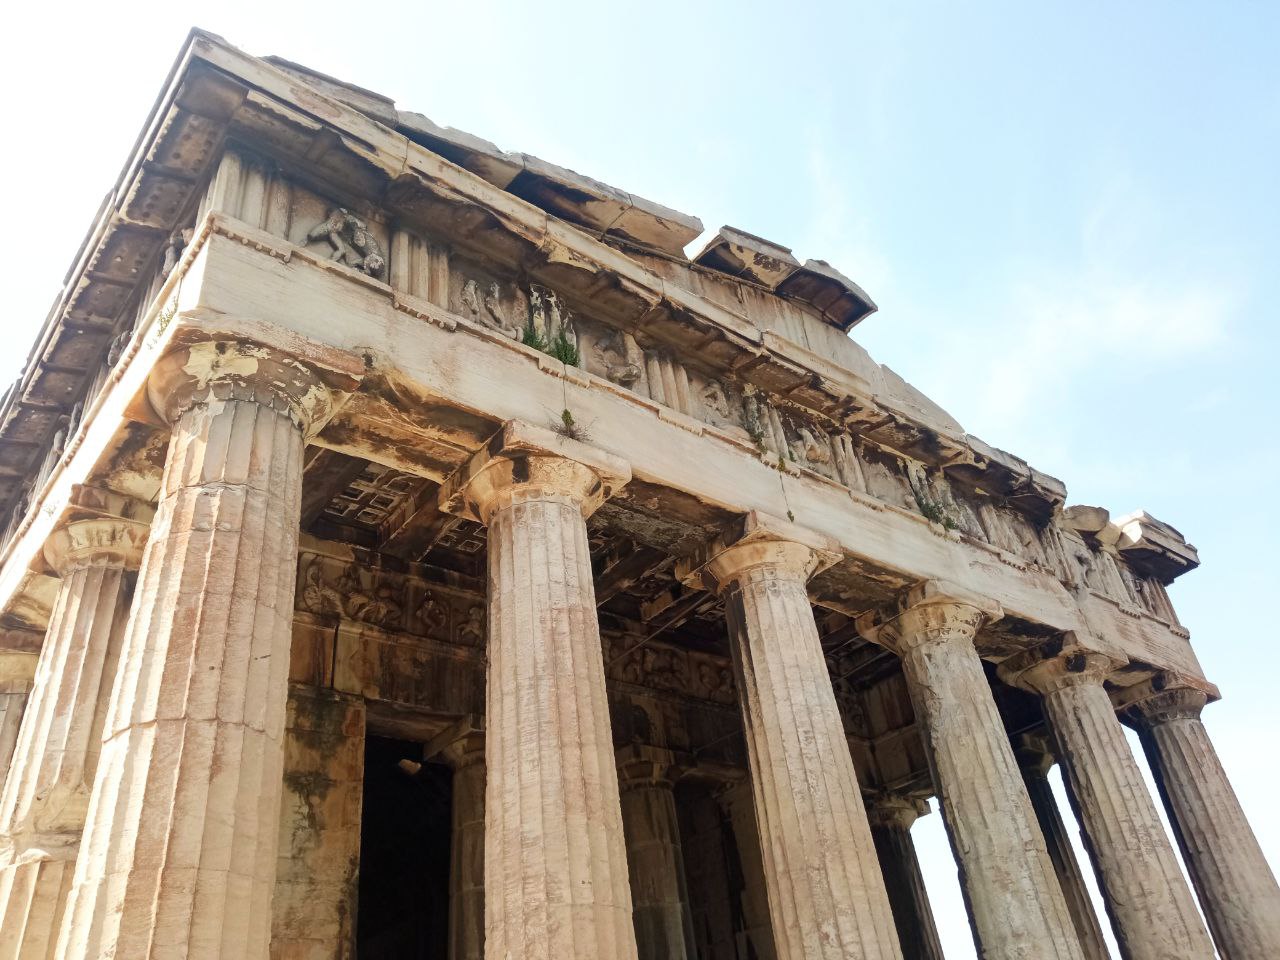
point(404, 855)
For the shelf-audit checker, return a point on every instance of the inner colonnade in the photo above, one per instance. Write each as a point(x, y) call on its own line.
point(428, 567)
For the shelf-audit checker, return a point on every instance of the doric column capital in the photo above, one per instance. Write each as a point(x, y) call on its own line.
point(523, 462)
point(894, 811)
point(1179, 703)
point(212, 370)
point(1164, 697)
point(931, 612)
point(642, 766)
point(99, 540)
point(1060, 663)
point(758, 540)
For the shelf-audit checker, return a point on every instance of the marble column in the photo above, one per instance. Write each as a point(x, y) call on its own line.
point(826, 896)
point(17, 673)
point(178, 858)
point(655, 859)
point(555, 859)
point(465, 756)
point(754, 905)
point(1036, 759)
point(1014, 900)
point(1237, 889)
point(1151, 908)
point(315, 903)
point(42, 811)
point(891, 819)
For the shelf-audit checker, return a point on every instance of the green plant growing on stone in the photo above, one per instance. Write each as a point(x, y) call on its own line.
point(569, 427)
point(564, 349)
point(935, 512)
point(532, 338)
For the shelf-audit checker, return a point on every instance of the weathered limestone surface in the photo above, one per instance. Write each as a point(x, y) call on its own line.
point(313, 915)
point(1151, 908)
point(1237, 888)
point(1015, 902)
point(1036, 760)
point(891, 819)
point(659, 890)
point(43, 808)
point(179, 851)
point(17, 674)
point(555, 858)
point(826, 895)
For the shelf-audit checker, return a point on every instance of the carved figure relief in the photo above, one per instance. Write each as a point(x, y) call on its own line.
point(317, 596)
point(472, 631)
point(471, 298)
point(809, 449)
point(716, 681)
point(715, 401)
point(618, 357)
point(173, 250)
point(352, 242)
point(378, 608)
point(487, 310)
point(434, 616)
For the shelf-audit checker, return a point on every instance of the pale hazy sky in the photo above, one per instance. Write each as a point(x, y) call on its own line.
point(1068, 214)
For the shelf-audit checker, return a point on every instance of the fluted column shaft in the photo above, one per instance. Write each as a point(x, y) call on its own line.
point(179, 852)
point(1035, 766)
point(826, 895)
point(556, 883)
point(1149, 902)
point(659, 890)
point(466, 860)
point(891, 819)
point(17, 674)
point(1015, 902)
point(1237, 889)
point(42, 810)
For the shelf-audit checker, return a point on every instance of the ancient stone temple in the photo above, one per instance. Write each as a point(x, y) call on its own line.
point(409, 551)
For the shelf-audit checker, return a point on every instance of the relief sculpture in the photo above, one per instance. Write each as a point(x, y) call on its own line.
point(352, 242)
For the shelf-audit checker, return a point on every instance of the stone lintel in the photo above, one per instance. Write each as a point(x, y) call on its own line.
point(524, 460)
point(929, 608)
point(753, 540)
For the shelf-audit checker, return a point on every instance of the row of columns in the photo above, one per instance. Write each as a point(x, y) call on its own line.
point(143, 823)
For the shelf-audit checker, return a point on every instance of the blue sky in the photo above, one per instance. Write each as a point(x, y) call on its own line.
point(1068, 214)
